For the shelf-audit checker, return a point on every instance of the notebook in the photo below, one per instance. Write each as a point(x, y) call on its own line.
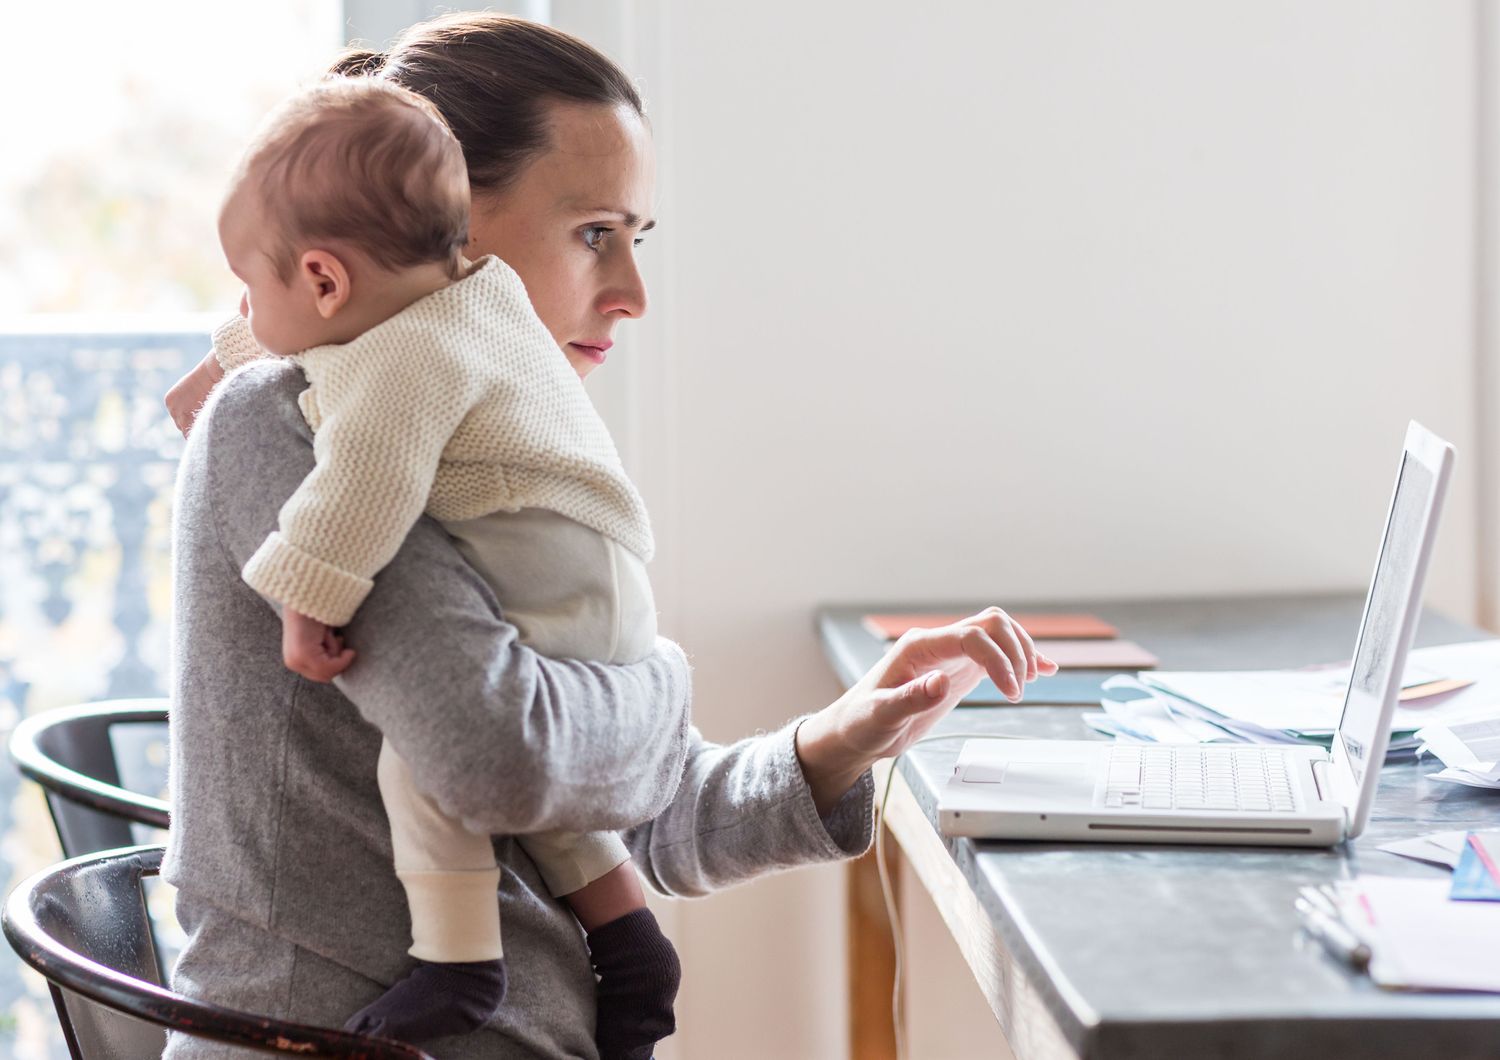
point(1041, 627)
point(1096, 654)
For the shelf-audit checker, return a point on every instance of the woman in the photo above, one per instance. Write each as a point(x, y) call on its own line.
point(279, 848)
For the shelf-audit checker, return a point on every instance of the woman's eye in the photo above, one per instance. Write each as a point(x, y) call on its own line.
point(594, 235)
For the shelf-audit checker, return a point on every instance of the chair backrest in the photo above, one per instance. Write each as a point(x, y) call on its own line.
point(83, 925)
point(70, 752)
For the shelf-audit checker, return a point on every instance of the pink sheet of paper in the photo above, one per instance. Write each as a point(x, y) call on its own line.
point(1097, 654)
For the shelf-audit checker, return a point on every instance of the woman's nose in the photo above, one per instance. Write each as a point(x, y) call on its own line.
point(626, 291)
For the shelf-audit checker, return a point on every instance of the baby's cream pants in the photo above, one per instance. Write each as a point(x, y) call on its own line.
point(572, 593)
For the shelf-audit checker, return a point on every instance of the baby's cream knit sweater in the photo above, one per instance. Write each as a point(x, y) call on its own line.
point(460, 405)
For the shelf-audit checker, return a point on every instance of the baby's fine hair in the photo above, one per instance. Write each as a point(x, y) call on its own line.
point(364, 163)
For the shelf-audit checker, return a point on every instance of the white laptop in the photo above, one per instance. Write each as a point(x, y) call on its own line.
point(1267, 794)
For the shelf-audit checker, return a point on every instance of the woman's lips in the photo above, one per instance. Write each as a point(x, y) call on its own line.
point(594, 351)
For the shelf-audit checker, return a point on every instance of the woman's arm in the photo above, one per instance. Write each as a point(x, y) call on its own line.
point(744, 810)
point(804, 794)
point(503, 738)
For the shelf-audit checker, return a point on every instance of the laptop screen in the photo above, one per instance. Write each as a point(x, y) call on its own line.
point(1390, 594)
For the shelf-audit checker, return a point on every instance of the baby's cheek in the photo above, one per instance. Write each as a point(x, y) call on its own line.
point(265, 337)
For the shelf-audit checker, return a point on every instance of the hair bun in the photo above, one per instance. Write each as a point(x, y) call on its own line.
point(357, 62)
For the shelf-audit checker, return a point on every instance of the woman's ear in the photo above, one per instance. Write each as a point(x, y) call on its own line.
point(325, 275)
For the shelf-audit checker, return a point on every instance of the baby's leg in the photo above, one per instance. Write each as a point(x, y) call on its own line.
point(452, 884)
point(637, 967)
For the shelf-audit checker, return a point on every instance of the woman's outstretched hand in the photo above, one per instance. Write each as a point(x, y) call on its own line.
point(905, 694)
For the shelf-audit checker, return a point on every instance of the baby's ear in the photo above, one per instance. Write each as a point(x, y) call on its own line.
point(326, 277)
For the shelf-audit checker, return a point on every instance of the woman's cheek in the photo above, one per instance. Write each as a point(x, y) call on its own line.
point(558, 322)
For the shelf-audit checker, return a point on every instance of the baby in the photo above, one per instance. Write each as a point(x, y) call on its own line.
point(433, 386)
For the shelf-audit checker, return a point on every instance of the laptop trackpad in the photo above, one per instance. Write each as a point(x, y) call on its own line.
point(1049, 781)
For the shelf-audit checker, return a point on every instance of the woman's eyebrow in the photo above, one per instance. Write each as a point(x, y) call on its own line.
point(630, 220)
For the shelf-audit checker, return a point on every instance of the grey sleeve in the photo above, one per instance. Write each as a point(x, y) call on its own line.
point(505, 739)
point(744, 810)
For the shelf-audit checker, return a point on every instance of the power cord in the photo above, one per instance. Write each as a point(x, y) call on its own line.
point(887, 892)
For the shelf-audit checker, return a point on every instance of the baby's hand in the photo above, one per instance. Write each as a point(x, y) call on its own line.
point(192, 390)
point(312, 649)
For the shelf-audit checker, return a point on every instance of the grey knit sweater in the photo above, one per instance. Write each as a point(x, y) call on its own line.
point(279, 846)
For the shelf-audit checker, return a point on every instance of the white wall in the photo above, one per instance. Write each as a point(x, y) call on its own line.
point(1009, 300)
point(375, 23)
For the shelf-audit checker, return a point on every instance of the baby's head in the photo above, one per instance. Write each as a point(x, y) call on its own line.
point(351, 202)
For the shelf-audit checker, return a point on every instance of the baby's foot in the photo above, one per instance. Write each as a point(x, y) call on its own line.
point(638, 978)
point(434, 1001)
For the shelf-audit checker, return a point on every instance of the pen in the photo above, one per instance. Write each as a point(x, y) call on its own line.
point(1321, 899)
point(1331, 932)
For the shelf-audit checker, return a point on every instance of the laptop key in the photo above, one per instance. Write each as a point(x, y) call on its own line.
point(1190, 778)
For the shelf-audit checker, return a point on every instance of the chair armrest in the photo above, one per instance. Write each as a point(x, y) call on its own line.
point(26, 751)
point(73, 890)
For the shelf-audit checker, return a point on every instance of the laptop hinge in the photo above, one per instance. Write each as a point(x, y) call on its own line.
point(1319, 780)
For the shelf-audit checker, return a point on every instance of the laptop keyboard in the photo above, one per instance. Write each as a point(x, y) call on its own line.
point(1198, 778)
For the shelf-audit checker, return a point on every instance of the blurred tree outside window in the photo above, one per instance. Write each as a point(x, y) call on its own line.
point(122, 123)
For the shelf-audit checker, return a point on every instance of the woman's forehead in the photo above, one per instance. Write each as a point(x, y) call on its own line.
point(600, 158)
point(595, 128)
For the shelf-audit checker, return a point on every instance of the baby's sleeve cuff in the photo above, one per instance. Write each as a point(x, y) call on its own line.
point(299, 580)
point(234, 345)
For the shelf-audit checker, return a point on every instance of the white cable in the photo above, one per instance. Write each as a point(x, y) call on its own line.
point(887, 892)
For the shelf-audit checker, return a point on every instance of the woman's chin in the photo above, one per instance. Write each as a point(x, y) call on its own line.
point(584, 359)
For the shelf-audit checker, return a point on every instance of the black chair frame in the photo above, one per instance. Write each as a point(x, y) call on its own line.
point(68, 752)
point(48, 904)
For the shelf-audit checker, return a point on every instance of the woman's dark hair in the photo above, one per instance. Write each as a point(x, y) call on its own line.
point(491, 77)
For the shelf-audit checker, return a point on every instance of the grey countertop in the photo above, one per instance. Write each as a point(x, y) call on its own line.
point(1179, 951)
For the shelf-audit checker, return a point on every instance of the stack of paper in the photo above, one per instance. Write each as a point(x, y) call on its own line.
point(1040, 627)
point(1073, 641)
point(1448, 685)
point(1470, 750)
point(1420, 939)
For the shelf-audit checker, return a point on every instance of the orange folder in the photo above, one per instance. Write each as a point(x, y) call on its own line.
point(1041, 627)
point(1097, 654)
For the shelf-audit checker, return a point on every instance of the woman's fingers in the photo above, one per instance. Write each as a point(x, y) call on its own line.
point(1028, 647)
point(1008, 637)
point(1002, 628)
point(894, 705)
point(979, 646)
point(990, 640)
point(1037, 662)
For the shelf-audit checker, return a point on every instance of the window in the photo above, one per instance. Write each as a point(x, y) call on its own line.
point(119, 147)
point(123, 123)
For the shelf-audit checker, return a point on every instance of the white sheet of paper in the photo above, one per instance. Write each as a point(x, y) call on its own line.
point(1463, 776)
point(1310, 701)
point(1149, 719)
point(1438, 848)
point(1102, 723)
point(1420, 939)
point(1471, 745)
